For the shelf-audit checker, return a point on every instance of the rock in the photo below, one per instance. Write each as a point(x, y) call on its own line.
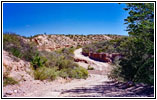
point(80, 60)
point(15, 91)
point(4, 95)
point(16, 75)
point(9, 92)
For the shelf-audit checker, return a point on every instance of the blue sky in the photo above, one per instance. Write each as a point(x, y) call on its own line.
point(29, 19)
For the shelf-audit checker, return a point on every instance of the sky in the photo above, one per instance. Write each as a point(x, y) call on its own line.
point(28, 19)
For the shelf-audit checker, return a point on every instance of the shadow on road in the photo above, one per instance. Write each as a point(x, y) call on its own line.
point(113, 89)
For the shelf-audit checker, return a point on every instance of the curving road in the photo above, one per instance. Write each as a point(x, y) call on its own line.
point(96, 64)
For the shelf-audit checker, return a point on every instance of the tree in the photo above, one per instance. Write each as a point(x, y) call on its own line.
point(138, 63)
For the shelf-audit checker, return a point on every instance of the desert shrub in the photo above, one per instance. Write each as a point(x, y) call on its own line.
point(10, 38)
point(44, 73)
point(16, 52)
point(111, 46)
point(38, 61)
point(66, 52)
point(136, 64)
point(64, 73)
point(66, 64)
point(57, 62)
point(9, 81)
point(116, 71)
point(89, 48)
point(83, 72)
point(77, 72)
point(70, 50)
point(16, 45)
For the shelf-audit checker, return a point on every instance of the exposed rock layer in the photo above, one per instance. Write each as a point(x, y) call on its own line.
point(105, 57)
point(53, 42)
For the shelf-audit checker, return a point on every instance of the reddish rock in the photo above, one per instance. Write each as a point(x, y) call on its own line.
point(80, 60)
point(105, 57)
point(97, 56)
point(85, 54)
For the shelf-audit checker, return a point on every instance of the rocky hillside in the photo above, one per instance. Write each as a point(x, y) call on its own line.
point(53, 42)
point(87, 39)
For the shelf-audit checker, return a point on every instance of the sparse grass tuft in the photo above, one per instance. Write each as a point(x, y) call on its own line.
point(9, 81)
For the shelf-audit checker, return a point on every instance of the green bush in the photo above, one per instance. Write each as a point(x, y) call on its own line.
point(77, 72)
point(16, 52)
point(82, 72)
point(111, 46)
point(64, 73)
point(44, 73)
point(57, 62)
point(38, 61)
point(9, 81)
point(57, 59)
point(66, 64)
